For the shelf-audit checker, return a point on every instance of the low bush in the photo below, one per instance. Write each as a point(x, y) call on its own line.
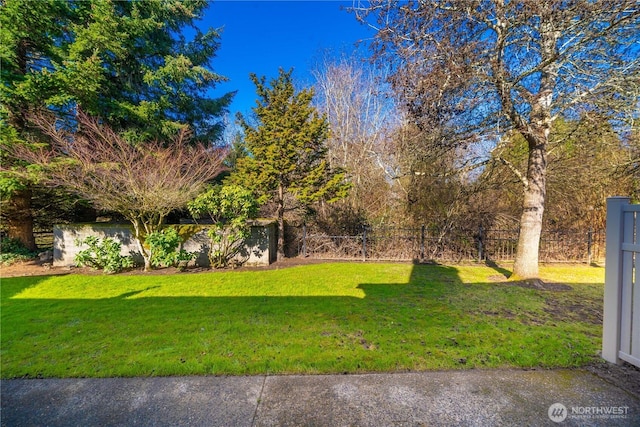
point(103, 254)
point(230, 207)
point(164, 248)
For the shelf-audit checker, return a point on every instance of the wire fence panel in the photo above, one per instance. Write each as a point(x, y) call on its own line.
point(452, 245)
point(329, 247)
point(392, 243)
point(498, 245)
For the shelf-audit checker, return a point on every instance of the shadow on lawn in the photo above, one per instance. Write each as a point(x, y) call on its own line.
point(428, 285)
point(432, 321)
point(421, 275)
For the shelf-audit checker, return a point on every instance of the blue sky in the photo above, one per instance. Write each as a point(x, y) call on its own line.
point(261, 36)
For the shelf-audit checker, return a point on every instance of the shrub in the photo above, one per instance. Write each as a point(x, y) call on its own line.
point(12, 250)
point(102, 255)
point(229, 207)
point(163, 247)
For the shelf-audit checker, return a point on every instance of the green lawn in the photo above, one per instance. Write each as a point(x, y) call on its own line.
point(321, 318)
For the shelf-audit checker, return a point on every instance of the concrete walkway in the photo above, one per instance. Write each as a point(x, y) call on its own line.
point(471, 398)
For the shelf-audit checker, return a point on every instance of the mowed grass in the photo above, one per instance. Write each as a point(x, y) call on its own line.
point(321, 318)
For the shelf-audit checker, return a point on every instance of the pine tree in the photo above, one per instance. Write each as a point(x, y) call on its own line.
point(287, 150)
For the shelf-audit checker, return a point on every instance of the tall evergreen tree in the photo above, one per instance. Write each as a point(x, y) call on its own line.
point(287, 150)
point(128, 62)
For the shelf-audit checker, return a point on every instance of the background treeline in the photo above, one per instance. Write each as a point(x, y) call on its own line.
point(399, 178)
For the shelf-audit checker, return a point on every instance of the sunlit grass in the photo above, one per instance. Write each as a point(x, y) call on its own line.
point(321, 318)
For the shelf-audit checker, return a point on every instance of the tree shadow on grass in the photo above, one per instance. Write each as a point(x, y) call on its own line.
point(503, 271)
point(432, 321)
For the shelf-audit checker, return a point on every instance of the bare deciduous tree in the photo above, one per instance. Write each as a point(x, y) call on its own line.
point(143, 182)
point(485, 67)
point(362, 117)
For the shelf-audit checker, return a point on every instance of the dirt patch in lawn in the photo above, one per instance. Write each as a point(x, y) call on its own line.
point(540, 285)
point(583, 311)
point(31, 268)
point(536, 284)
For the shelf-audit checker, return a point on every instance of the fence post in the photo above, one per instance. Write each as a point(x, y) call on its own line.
point(364, 243)
point(589, 245)
point(304, 240)
point(422, 242)
point(480, 239)
point(612, 279)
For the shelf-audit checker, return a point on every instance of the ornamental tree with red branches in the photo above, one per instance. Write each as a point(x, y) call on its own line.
point(143, 182)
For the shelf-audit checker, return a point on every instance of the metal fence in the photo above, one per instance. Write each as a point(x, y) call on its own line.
point(429, 244)
point(452, 245)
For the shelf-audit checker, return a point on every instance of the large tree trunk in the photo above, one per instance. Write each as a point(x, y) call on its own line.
point(146, 256)
point(20, 218)
point(137, 232)
point(18, 207)
point(537, 135)
point(280, 214)
point(526, 262)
